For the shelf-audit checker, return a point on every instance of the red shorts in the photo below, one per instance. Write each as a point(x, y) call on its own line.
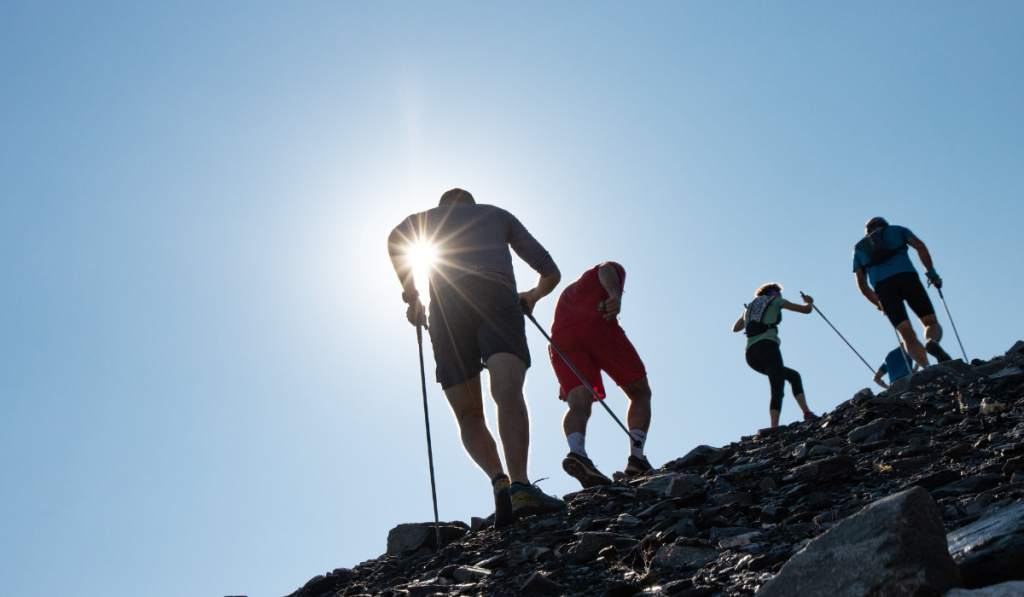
point(593, 346)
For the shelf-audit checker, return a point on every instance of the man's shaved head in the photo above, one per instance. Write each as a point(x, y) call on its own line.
point(457, 197)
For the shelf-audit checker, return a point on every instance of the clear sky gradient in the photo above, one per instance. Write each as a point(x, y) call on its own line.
point(207, 383)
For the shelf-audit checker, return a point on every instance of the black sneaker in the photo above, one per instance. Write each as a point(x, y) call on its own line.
point(637, 466)
point(584, 471)
point(933, 348)
point(809, 416)
point(502, 502)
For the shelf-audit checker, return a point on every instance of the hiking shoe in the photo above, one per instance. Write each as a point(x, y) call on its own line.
point(933, 348)
point(584, 471)
point(637, 466)
point(529, 499)
point(809, 416)
point(502, 503)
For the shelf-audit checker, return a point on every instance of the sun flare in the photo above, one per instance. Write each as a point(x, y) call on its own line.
point(422, 256)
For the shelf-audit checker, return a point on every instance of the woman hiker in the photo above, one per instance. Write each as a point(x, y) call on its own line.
point(760, 320)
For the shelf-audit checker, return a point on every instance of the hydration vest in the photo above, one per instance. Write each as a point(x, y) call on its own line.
point(753, 326)
point(873, 245)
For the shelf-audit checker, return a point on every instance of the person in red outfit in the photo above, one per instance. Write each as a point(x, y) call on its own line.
point(587, 330)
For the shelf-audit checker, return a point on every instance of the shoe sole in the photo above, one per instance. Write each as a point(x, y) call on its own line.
point(581, 473)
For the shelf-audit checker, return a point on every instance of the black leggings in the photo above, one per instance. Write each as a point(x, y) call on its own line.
point(765, 358)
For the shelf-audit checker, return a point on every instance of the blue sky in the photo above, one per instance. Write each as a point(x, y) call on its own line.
point(207, 385)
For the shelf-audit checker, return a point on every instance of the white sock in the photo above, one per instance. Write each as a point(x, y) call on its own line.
point(576, 444)
point(636, 448)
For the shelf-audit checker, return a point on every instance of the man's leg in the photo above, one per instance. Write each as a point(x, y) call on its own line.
point(932, 329)
point(580, 406)
point(914, 347)
point(467, 404)
point(507, 373)
point(639, 414)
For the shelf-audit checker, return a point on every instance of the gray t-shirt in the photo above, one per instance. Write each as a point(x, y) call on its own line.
point(472, 240)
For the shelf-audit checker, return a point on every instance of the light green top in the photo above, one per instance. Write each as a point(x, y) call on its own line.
point(771, 315)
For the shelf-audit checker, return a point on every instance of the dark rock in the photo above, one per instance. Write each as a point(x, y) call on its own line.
point(762, 562)
point(893, 546)
point(969, 485)
point(743, 498)
point(1013, 465)
point(621, 589)
point(991, 549)
point(411, 536)
point(681, 556)
point(493, 562)
point(695, 457)
point(539, 584)
point(661, 485)
point(1006, 589)
point(958, 450)
point(719, 533)
point(1018, 347)
point(829, 468)
point(865, 431)
point(465, 574)
point(938, 479)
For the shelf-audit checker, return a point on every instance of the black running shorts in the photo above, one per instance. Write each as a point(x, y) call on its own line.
point(904, 286)
point(471, 320)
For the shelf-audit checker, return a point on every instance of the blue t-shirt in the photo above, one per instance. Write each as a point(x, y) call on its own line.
point(893, 236)
point(896, 364)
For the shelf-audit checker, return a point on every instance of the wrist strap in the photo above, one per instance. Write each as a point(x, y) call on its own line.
point(931, 274)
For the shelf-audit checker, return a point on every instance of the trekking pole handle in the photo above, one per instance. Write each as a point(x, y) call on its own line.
point(525, 307)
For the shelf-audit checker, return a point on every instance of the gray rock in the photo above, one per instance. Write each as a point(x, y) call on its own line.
point(768, 485)
point(822, 450)
point(684, 528)
point(1017, 347)
point(952, 372)
point(695, 457)
point(539, 584)
point(866, 431)
point(828, 468)
point(411, 536)
point(492, 562)
point(719, 533)
point(748, 467)
point(682, 556)
point(991, 550)
point(465, 574)
point(968, 485)
point(1006, 589)
point(892, 547)
point(670, 485)
point(742, 498)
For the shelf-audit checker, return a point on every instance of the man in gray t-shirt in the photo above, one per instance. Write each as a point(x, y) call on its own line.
point(475, 318)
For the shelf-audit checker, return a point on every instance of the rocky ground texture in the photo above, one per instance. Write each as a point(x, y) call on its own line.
point(915, 491)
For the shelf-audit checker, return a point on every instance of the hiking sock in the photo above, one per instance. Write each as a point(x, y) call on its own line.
point(576, 441)
point(806, 410)
point(518, 486)
point(636, 447)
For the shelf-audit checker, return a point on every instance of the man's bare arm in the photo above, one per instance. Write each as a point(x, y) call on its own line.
point(609, 277)
point(878, 379)
point(545, 284)
point(862, 284)
point(398, 246)
point(926, 260)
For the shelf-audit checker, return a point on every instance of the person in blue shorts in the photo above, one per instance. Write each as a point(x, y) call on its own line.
point(897, 364)
point(887, 278)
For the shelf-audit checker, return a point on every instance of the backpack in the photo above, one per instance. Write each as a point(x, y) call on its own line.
point(753, 326)
point(873, 245)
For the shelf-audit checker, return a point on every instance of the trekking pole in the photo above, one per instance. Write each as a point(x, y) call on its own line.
point(599, 398)
point(426, 420)
point(815, 307)
point(953, 324)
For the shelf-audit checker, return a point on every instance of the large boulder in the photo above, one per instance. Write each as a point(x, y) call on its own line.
point(990, 550)
point(411, 536)
point(952, 372)
point(894, 547)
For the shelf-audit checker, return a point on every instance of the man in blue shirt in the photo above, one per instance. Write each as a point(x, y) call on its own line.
point(881, 259)
point(896, 364)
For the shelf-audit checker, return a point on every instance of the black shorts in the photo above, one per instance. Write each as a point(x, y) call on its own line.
point(904, 286)
point(471, 320)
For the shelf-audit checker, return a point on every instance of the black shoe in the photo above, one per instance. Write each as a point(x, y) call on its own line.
point(584, 471)
point(809, 416)
point(502, 503)
point(637, 466)
point(933, 348)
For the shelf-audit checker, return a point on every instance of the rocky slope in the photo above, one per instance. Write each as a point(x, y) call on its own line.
point(914, 491)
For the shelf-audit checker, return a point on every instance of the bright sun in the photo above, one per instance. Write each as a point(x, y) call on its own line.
point(422, 255)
